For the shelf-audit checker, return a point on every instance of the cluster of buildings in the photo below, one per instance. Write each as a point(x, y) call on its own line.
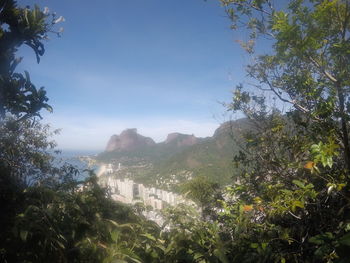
point(127, 191)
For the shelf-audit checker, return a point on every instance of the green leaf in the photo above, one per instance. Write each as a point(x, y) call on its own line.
point(149, 236)
point(316, 240)
point(48, 108)
point(220, 253)
point(322, 238)
point(254, 245)
point(345, 240)
point(297, 203)
point(299, 183)
point(23, 234)
point(264, 245)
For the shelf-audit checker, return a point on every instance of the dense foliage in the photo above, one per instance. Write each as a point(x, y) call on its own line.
point(292, 198)
point(289, 201)
point(45, 214)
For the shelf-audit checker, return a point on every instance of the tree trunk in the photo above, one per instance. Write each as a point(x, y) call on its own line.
point(344, 126)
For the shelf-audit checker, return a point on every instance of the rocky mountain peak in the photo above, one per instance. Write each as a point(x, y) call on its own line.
point(181, 139)
point(171, 137)
point(128, 140)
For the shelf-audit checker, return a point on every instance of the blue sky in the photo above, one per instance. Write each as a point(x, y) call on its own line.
point(157, 65)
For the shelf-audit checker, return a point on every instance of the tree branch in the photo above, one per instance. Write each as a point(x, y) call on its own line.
point(322, 69)
point(293, 102)
point(297, 217)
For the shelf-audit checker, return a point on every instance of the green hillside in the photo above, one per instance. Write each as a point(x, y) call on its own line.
point(167, 164)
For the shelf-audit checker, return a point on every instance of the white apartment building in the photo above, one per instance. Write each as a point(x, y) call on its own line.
point(126, 191)
point(109, 169)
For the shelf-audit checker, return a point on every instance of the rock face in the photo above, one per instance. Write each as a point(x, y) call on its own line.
point(180, 154)
point(128, 140)
point(179, 140)
point(233, 127)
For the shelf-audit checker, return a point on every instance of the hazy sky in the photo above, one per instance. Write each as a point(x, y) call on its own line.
point(157, 65)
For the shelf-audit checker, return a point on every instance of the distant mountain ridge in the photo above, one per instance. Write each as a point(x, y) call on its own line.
point(179, 154)
point(128, 140)
point(181, 139)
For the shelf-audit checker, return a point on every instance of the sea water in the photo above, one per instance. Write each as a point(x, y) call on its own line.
point(73, 157)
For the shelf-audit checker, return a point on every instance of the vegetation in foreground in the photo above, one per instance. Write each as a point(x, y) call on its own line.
point(290, 202)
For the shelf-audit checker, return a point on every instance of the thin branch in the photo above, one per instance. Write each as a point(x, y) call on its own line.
point(346, 20)
point(322, 69)
point(254, 7)
point(293, 102)
point(297, 217)
point(270, 5)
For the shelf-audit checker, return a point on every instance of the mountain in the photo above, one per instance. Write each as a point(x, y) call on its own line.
point(180, 156)
point(128, 140)
point(179, 140)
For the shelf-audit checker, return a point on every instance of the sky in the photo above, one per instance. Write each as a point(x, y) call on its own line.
point(160, 66)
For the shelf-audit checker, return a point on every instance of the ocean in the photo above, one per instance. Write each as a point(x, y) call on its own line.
point(77, 159)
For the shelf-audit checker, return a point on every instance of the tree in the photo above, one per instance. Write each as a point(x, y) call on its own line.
point(204, 193)
point(24, 142)
point(22, 26)
point(290, 202)
point(295, 164)
point(308, 65)
point(46, 215)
